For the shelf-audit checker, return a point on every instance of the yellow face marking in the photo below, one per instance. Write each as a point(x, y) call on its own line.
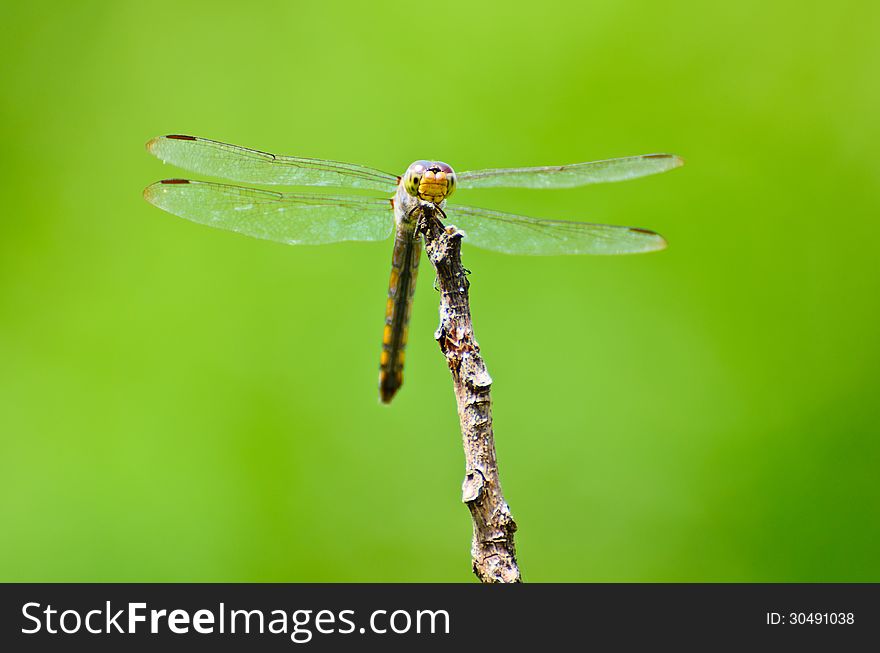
point(430, 181)
point(434, 187)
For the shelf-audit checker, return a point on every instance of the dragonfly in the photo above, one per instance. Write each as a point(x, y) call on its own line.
point(311, 218)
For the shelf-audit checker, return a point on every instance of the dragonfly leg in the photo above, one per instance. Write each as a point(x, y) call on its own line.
point(464, 269)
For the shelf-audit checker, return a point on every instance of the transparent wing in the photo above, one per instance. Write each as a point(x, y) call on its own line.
point(283, 217)
point(516, 234)
point(569, 176)
point(245, 165)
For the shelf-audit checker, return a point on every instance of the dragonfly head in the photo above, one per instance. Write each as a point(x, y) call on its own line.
point(431, 181)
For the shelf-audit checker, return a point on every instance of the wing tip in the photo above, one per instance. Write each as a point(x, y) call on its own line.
point(154, 143)
point(151, 192)
point(673, 160)
point(660, 244)
point(654, 241)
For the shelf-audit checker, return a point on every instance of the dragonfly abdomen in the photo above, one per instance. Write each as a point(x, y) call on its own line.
point(401, 287)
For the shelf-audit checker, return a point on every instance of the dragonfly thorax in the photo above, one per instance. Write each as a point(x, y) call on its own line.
point(430, 181)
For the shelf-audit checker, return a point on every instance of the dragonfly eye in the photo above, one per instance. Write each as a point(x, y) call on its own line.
point(413, 177)
point(449, 173)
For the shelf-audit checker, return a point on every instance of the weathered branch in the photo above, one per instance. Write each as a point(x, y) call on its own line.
point(492, 550)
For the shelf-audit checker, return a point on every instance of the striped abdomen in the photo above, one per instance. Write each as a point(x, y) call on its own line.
point(404, 269)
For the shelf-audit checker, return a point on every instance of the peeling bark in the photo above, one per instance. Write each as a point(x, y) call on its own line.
point(492, 550)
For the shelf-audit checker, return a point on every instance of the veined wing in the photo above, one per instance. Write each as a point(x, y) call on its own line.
point(516, 234)
point(294, 219)
point(569, 176)
point(245, 165)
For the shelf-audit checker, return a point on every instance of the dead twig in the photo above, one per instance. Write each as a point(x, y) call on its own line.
point(493, 551)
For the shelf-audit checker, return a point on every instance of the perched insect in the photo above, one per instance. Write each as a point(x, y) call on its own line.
point(312, 218)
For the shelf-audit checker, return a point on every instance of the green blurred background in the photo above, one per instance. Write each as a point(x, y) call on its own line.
point(184, 404)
